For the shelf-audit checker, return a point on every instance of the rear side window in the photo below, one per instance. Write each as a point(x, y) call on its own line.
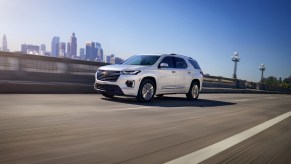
point(195, 64)
point(169, 61)
point(180, 63)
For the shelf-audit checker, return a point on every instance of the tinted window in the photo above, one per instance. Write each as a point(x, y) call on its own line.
point(141, 60)
point(180, 63)
point(169, 61)
point(195, 64)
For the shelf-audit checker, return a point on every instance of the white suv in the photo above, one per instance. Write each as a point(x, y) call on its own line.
point(144, 76)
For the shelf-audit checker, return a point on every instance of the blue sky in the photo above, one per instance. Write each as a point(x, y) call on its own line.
point(207, 30)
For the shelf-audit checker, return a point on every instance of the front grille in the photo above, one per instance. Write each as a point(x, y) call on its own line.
point(111, 89)
point(111, 76)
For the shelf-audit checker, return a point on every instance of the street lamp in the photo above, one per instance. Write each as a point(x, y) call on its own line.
point(262, 68)
point(235, 58)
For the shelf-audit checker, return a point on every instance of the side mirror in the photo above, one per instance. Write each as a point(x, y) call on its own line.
point(164, 65)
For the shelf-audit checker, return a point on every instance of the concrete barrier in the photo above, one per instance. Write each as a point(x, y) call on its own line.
point(23, 73)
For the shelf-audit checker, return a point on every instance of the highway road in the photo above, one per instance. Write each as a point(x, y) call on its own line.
point(87, 128)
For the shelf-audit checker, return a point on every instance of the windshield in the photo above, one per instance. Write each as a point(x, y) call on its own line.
point(142, 60)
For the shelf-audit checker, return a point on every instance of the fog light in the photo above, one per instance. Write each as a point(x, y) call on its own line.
point(130, 83)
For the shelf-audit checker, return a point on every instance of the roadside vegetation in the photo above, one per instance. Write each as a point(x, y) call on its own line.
point(273, 82)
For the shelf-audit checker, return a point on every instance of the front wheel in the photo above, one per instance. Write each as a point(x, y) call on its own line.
point(146, 91)
point(194, 91)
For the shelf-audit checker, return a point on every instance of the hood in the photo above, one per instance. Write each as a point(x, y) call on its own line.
point(121, 67)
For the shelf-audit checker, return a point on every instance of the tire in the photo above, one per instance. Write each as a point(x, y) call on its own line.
point(193, 92)
point(146, 91)
point(107, 95)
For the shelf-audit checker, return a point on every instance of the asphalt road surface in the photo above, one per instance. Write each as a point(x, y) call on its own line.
point(80, 128)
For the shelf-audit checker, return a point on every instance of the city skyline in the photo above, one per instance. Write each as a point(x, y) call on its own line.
point(208, 31)
point(94, 51)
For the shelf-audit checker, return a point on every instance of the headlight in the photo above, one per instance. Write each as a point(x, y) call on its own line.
point(135, 72)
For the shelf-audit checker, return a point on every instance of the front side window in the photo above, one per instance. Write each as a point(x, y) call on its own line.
point(146, 60)
point(180, 63)
point(169, 60)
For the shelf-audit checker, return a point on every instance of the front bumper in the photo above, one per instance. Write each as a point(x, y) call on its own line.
point(119, 87)
point(108, 88)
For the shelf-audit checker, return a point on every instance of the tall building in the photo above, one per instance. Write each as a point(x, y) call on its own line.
point(4, 43)
point(55, 46)
point(73, 46)
point(24, 48)
point(108, 58)
point(68, 50)
point(97, 45)
point(30, 49)
point(82, 54)
point(100, 54)
point(91, 51)
point(42, 49)
point(116, 60)
point(62, 49)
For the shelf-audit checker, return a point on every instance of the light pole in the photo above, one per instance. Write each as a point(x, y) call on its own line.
point(235, 58)
point(262, 68)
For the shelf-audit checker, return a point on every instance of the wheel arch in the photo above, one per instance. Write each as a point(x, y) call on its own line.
point(151, 78)
point(198, 81)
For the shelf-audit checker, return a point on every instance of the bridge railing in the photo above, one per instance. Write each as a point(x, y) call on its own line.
point(14, 66)
point(45, 64)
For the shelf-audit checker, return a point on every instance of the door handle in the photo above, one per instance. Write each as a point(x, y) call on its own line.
point(173, 71)
point(189, 72)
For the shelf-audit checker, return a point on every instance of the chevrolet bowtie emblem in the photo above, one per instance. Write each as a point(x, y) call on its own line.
point(105, 73)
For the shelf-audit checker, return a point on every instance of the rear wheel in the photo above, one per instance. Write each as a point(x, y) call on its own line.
point(107, 95)
point(146, 91)
point(194, 91)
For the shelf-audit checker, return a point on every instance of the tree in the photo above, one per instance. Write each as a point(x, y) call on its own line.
point(287, 82)
point(271, 81)
point(280, 80)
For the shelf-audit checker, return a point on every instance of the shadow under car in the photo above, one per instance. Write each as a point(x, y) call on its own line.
point(171, 102)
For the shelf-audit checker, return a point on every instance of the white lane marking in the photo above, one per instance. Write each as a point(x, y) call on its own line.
point(142, 107)
point(241, 100)
point(207, 152)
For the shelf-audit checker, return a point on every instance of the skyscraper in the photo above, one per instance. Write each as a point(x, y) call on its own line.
point(42, 49)
point(91, 51)
point(108, 58)
point(99, 52)
point(68, 50)
point(116, 60)
point(82, 54)
point(55, 46)
point(30, 49)
point(62, 49)
point(73, 46)
point(100, 55)
point(4, 43)
point(98, 45)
